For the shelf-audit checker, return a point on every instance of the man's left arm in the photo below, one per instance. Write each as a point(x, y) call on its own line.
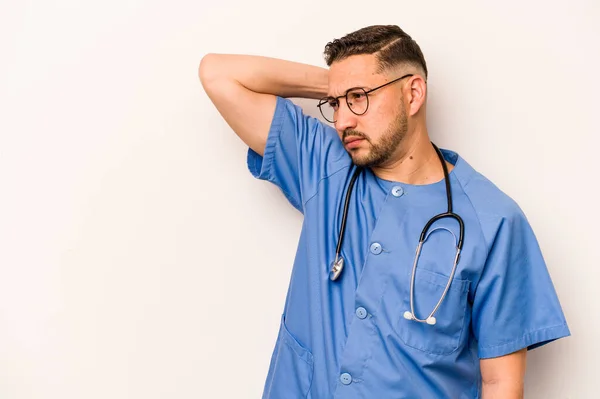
point(503, 377)
point(515, 307)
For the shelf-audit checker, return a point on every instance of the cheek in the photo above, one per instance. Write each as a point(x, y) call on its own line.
point(375, 124)
point(387, 112)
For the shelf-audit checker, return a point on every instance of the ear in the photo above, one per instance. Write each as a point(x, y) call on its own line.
point(416, 94)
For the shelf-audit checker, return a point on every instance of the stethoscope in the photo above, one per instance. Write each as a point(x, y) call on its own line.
point(338, 264)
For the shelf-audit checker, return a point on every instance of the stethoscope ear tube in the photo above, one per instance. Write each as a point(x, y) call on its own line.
point(410, 315)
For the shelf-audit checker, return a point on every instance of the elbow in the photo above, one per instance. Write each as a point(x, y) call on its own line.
point(208, 69)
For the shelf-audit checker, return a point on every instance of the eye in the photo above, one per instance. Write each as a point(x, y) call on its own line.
point(357, 96)
point(333, 103)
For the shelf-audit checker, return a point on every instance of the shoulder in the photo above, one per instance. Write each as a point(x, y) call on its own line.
point(493, 207)
point(299, 121)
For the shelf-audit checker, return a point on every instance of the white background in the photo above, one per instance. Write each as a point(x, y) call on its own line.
point(139, 258)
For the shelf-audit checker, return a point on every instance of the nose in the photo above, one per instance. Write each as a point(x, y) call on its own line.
point(344, 118)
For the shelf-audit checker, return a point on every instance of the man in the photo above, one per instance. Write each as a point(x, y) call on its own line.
point(361, 319)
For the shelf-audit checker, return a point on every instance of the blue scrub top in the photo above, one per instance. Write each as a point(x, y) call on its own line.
point(348, 338)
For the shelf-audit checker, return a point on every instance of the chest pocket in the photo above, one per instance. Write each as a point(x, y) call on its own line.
point(452, 317)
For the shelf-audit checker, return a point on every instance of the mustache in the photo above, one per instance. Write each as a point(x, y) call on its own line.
point(354, 133)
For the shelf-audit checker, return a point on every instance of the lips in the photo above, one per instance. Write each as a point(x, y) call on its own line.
point(353, 142)
point(352, 139)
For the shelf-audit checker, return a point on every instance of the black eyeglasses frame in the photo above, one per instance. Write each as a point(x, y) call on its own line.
point(327, 100)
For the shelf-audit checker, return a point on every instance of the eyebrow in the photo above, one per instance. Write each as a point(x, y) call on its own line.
point(347, 90)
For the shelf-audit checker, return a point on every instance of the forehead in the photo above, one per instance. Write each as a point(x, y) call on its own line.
point(354, 71)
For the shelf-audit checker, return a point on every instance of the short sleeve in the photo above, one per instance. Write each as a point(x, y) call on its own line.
point(300, 151)
point(515, 305)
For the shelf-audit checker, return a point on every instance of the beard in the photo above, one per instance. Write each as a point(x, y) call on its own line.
point(380, 152)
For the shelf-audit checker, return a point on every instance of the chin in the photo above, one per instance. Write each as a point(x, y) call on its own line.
point(358, 156)
point(361, 160)
point(367, 159)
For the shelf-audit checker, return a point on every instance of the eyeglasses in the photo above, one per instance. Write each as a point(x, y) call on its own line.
point(357, 100)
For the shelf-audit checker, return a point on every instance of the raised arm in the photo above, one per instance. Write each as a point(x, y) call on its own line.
point(243, 88)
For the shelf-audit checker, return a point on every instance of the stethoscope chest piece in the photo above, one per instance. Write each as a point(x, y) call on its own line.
point(336, 269)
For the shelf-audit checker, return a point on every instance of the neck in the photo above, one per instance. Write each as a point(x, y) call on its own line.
point(414, 162)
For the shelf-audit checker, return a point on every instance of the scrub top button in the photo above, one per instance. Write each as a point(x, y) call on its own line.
point(397, 191)
point(361, 312)
point(376, 248)
point(346, 378)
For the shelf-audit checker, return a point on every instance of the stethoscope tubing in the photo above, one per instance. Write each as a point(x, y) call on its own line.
point(338, 264)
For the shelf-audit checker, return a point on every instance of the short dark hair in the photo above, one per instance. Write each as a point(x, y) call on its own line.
point(392, 45)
